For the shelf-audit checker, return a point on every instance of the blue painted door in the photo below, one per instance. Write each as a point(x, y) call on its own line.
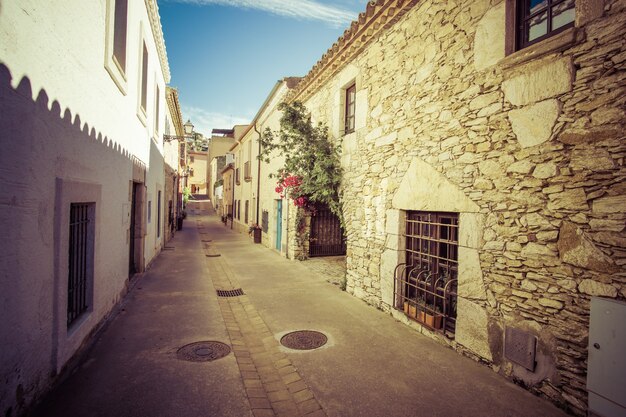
point(279, 223)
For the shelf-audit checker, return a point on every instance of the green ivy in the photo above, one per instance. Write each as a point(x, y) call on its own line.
point(309, 154)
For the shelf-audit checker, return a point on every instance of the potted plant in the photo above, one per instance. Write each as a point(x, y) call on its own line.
point(431, 316)
point(255, 230)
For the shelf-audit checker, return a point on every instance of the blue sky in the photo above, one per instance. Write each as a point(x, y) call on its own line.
point(226, 55)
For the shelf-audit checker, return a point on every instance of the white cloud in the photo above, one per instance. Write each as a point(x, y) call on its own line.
point(205, 121)
point(301, 9)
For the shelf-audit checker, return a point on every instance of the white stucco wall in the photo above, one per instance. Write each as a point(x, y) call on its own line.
point(66, 126)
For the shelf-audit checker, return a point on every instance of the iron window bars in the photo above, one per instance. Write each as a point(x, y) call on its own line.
point(425, 285)
point(350, 108)
point(78, 260)
point(540, 19)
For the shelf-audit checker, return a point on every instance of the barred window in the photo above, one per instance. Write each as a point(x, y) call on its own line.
point(350, 108)
point(265, 221)
point(80, 259)
point(425, 284)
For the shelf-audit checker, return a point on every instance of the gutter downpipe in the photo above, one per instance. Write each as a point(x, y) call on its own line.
point(232, 219)
point(258, 176)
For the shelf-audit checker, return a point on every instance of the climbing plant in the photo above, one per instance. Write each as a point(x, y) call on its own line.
point(312, 169)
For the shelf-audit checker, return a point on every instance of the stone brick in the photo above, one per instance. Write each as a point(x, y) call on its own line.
point(538, 81)
point(532, 125)
point(595, 288)
point(577, 249)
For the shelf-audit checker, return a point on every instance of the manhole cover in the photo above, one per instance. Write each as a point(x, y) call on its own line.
point(203, 351)
point(304, 340)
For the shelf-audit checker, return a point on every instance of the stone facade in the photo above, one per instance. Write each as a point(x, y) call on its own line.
point(528, 147)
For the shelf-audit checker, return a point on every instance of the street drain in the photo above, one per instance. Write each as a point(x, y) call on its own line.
point(203, 351)
point(304, 340)
point(212, 255)
point(230, 293)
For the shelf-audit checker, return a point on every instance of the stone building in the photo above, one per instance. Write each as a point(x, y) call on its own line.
point(484, 177)
point(82, 115)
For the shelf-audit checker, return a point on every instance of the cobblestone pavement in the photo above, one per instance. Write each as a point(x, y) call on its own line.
point(333, 268)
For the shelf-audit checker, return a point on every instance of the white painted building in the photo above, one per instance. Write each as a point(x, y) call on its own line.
point(82, 116)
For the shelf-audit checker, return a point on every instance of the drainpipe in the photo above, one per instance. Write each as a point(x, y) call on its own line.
point(258, 176)
point(232, 219)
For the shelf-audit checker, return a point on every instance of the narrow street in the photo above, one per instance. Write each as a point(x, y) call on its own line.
point(370, 366)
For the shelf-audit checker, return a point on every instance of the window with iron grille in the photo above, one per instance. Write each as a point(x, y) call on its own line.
point(247, 175)
point(350, 108)
point(159, 214)
point(540, 19)
point(425, 285)
point(80, 259)
point(239, 210)
point(246, 211)
point(265, 221)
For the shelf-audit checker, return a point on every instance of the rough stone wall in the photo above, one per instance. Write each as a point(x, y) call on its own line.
point(538, 147)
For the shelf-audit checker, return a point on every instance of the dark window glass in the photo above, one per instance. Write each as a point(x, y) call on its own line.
point(119, 33)
point(144, 78)
point(540, 19)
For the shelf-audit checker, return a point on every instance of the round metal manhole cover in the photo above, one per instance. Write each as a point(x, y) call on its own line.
point(304, 340)
point(203, 351)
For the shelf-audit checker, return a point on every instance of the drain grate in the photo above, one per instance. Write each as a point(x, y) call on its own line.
point(212, 255)
point(207, 240)
point(304, 340)
point(203, 351)
point(230, 293)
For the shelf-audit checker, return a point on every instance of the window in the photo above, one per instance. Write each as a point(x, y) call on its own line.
point(247, 174)
point(149, 211)
point(116, 37)
point(350, 108)
point(159, 214)
point(265, 221)
point(156, 109)
point(239, 210)
point(191, 159)
point(540, 19)
point(425, 284)
point(246, 211)
point(144, 79)
point(237, 180)
point(80, 260)
point(119, 33)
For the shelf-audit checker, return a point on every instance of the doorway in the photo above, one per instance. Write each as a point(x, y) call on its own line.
point(135, 250)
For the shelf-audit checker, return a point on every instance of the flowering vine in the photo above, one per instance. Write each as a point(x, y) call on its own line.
point(312, 170)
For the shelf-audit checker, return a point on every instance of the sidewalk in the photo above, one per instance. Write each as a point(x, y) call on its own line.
point(371, 365)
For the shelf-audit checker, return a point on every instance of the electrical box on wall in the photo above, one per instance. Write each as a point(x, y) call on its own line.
point(606, 371)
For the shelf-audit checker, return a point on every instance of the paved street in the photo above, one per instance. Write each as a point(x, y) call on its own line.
point(371, 366)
